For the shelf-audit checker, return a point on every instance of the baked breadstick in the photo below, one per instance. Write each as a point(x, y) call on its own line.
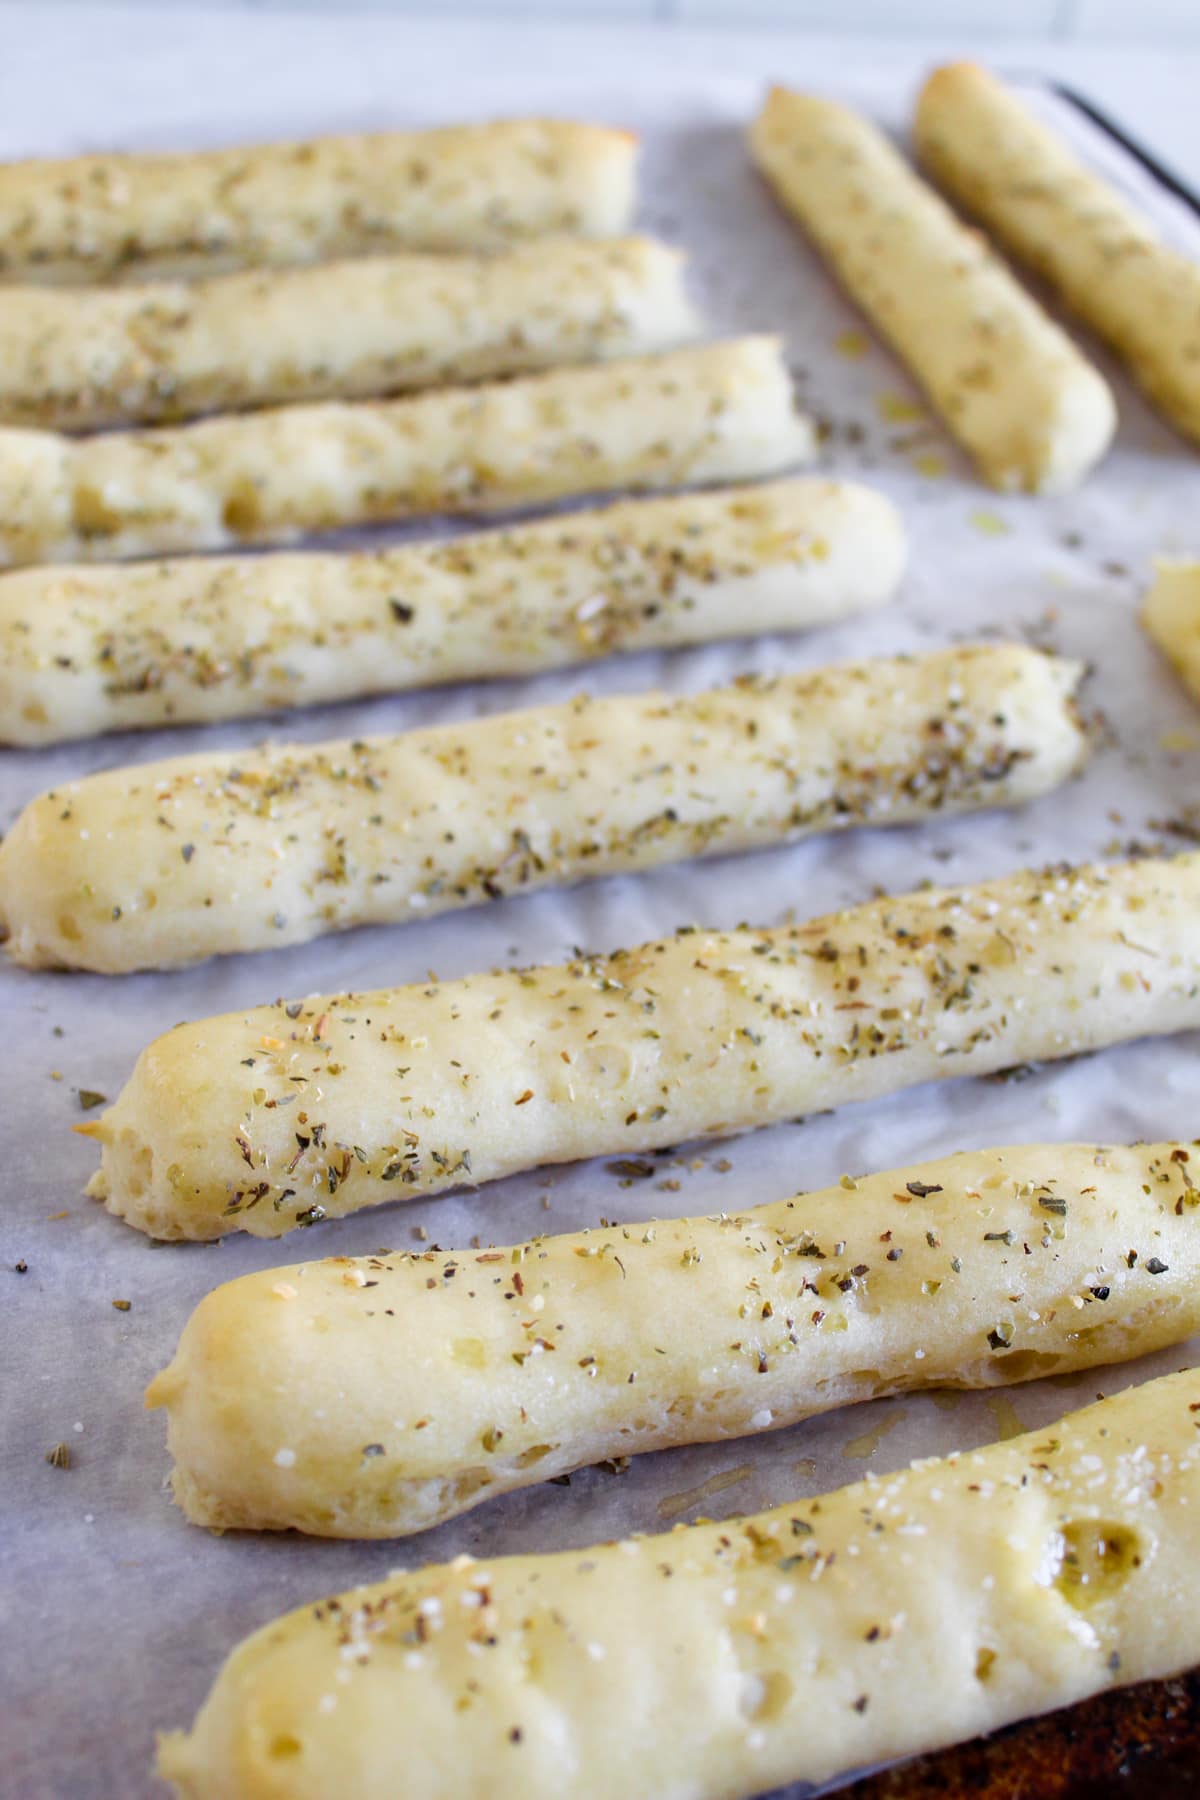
point(1008, 383)
point(719, 413)
point(379, 829)
point(290, 1113)
point(1103, 258)
point(294, 1394)
point(84, 650)
point(893, 1616)
point(80, 359)
point(199, 212)
point(1171, 616)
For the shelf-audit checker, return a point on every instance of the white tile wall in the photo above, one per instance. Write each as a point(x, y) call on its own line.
point(1030, 18)
point(596, 11)
point(1151, 21)
point(1147, 23)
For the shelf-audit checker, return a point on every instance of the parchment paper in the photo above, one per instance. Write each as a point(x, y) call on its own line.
point(115, 1614)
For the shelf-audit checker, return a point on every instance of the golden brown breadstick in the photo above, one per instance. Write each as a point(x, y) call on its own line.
point(263, 1120)
point(1171, 616)
point(295, 1395)
point(85, 358)
point(722, 412)
point(1008, 383)
point(1104, 259)
point(378, 830)
point(90, 649)
point(198, 212)
point(720, 1660)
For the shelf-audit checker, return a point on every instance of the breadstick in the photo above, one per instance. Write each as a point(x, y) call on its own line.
point(294, 1394)
point(1103, 258)
point(90, 357)
point(290, 1113)
point(1171, 616)
point(893, 1616)
point(719, 413)
point(199, 212)
point(379, 829)
point(1008, 383)
point(84, 650)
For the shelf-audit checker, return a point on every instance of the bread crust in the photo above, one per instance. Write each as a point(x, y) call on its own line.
point(1171, 616)
point(248, 850)
point(201, 212)
point(902, 1613)
point(1102, 257)
point(256, 1121)
point(471, 1373)
point(721, 412)
point(87, 649)
point(87, 358)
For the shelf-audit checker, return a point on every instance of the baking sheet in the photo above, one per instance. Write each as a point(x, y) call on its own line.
point(114, 1614)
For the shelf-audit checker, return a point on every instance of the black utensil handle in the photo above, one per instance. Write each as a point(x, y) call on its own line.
point(1165, 177)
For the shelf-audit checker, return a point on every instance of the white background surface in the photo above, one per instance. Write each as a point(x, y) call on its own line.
point(1139, 21)
point(143, 62)
point(114, 1614)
